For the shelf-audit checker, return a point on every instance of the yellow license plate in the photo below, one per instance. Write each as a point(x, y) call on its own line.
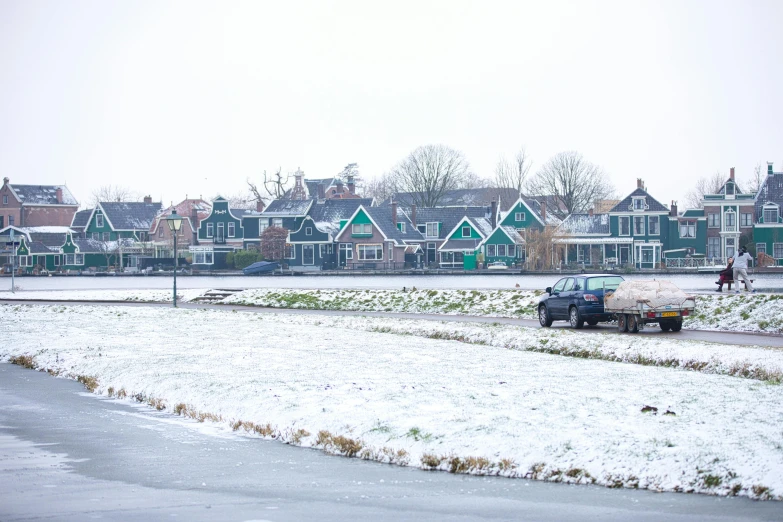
point(669, 314)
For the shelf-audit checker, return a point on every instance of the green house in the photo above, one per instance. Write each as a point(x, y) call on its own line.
point(768, 228)
point(113, 220)
point(463, 243)
point(504, 245)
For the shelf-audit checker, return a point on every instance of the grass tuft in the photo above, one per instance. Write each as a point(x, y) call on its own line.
point(25, 361)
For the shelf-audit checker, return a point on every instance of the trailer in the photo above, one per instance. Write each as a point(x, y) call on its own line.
point(637, 303)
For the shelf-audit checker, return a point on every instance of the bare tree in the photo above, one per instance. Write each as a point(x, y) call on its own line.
point(511, 174)
point(380, 188)
point(106, 193)
point(428, 173)
point(541, 251)
point(273, 241)
point(241, 200)
point(756, 179)
point(704, 185)
point(572, 181)
point(109, 250)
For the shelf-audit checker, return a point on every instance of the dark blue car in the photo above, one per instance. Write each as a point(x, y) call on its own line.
point(578, 299)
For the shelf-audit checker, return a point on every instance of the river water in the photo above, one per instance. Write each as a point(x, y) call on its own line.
point(692, 282)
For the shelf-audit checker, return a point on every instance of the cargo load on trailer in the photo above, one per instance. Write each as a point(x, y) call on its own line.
point(637, 303)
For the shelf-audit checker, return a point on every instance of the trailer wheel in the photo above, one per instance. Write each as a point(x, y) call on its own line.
point(592, 322)
point(665, 326)
point(676, 326)
point(622, 323)
point(633, 323)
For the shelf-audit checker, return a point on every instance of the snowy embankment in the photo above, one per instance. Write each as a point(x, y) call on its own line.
point(417, 400)
point(727, 312)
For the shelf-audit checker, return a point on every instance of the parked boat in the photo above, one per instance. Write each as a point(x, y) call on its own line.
point(261, 267)
point(497, 265)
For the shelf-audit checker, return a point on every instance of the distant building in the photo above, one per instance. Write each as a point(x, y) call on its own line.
point(36, 205)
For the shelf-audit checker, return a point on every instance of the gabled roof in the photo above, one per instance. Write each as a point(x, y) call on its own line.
point(382, 217)
point(287, 208)
point(43, 194)
point(185, 209)
point(585, 225)
point(481, 225)
point(37, 247)
point(130, 215)
point(449, 217)
point(509, 231)
point(461, 197)
point(534, 206)
point(49, 236)
point(93, 246)
point(328, 214)
point(693, 212)
point(771, 191)
point(81, 218)
point(626, 204)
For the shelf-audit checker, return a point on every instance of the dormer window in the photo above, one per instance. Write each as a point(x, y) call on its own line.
point(639, 204)
point(466, 231)
point(99, 220)
point(770, 213)
point(729, 188)
point(519, 216)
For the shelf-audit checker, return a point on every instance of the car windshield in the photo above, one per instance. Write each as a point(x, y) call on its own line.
point(599, 283)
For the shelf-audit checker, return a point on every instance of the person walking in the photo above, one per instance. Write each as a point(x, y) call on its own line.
point(724, 275)
point(741, 269)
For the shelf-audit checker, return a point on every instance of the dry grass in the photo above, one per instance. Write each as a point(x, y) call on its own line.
point(25, 361)
point(89, 382)
point(340, 444)
point(158, 404)
point(431, 461)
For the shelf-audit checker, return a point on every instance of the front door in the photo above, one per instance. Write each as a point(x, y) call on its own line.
point(625, 254)
point(308, 255)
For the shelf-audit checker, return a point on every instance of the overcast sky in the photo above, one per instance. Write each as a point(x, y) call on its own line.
point(192, 98)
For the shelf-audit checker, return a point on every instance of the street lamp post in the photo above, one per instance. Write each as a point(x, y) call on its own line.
point(175, 222)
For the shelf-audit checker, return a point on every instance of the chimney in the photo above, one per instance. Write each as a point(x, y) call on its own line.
point(147, 199)
point(260, 205)
point(58, 194)
point(543, 211)
point(769, 170)
point(413, 215)
point(394, 213)
point(590, 212)
point(351, 185)
point(339, 185)
point(639, 183)
point(321, 192)
point(6, 180)
point(673, 211)
point(731, 174)
point(494, 211)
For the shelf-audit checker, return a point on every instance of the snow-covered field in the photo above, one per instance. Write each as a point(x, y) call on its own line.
point(728, 312)
point(399, 391)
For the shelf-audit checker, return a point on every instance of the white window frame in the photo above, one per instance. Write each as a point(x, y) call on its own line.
point(99, 220)
point(713, 250)
point(232, 228)
point(713, 220)
point(511, 251)
point(638, 219)
point(519, 216)
point(501, 250)
point(688, 224)
point(210, 230)
point(79, 259)
point(761, 248)
point(391, 250)
point(464, 228)
point(11, 220)
point(772, 209)
point(96, 236)
point(422, 229)
point(277, 222)
point(289, 251)
point(401, 226)
point(107, 236)
point(359, 229)
point(24, 261)
point(639, 203)
point(5, 199)
point(348, 249)
point(657, 220)
point(263, 224)
point(160, 230)
point(432, 225)
point(56, 260)
point(728, 216)
point(777, 250)
point(204, 257)
point(308, 231)
point(491, 251)
point(220, 230)
point(363, 249)
point(620, 225)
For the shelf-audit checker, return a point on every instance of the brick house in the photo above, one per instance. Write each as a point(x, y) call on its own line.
point(36, 205)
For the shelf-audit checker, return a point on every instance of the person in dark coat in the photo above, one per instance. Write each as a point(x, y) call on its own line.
point(725, 275)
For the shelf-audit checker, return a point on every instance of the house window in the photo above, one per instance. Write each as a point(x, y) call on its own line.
point(729, 189)
point(263, 224)
point(10, 221)
point(761, 248)
point(777, 250)
point(730, 247)
point(465, 231)
point(422, 228)
point(391, 252)
point(730, 221)
point(69, 259)
point(638, 225)
point(220, 231)
point(106, 236)
point(5, 200)
point(401, 226)
point(25, 261)
point(432, 229)
point(713, 247)
point(653, 223)
point(210, 228)
point(688, 229)
point(160, 230)
point(308, 231)
point(203, 258)
point(625, 225)
point(56, 260)
point(501, 250)
point(277, 222)
point(746, 219)
point(346, 250)
point(770, 215)
point(231, 229)
point(491, 251)
point(370, 252)
point(713, 220)
point(639, 204)
point(358, 229)
point(99, 220)
point(290, 251)
point(96, 236)
point(647, 254)
point(512, 251)
point(519, 216)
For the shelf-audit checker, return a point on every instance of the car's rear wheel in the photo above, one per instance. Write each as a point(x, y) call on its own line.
point(633, 323)
point(543, 316)
point(676, 326)
point(574, 318)
point(622, 323)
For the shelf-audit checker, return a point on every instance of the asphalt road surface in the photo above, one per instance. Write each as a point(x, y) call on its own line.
point(69, 455)
point(738, 338)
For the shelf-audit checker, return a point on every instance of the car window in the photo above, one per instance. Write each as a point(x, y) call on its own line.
point(559, 286)
point(569, 285)
point(580, 283)
point(599, 283)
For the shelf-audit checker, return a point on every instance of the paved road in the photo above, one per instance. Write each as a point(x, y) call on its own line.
point(738, 338)
point(68, 455)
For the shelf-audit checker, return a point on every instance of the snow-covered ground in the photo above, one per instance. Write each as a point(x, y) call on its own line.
point(727, 312)
point(398, 391)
